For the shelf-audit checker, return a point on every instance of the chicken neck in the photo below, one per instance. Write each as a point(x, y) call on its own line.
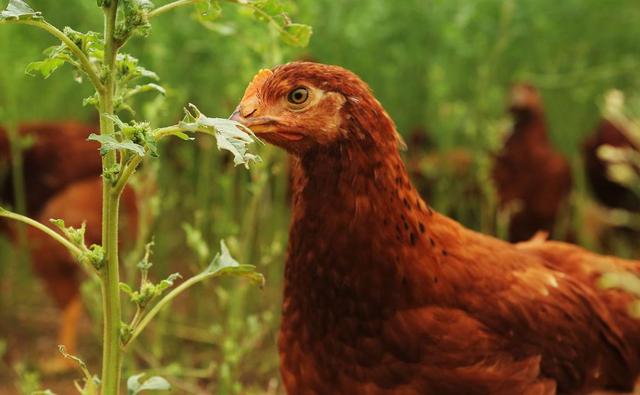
point(355, 217)
point(529, 127)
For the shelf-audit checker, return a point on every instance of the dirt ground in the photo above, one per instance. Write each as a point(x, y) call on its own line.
point(28, 335)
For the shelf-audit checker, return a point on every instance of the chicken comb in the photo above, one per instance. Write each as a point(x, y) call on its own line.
point(257, 82)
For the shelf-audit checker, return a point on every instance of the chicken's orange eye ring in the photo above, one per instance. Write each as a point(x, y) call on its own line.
point(298, 95)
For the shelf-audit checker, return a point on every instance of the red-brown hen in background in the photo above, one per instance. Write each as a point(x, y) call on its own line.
point(60, 154)
point(383, 295)
point(62, 180)
point(531, 178)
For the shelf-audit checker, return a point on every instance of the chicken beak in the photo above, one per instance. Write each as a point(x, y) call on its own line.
point(257, 125)
point(235, 116)
point(265, 127)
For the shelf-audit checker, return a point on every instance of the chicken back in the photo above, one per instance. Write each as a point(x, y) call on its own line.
point(383, 295)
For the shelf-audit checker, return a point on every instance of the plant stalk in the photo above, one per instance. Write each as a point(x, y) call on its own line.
point(146, 319)
point(55, 235)
point(170, 6)
point(110, 276)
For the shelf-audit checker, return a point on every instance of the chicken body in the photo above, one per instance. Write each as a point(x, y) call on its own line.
point(79, 202)
point(528, 172)
point(60, 154)
point(383, 295)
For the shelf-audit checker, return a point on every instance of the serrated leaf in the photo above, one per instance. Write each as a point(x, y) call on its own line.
point(45, 67)
point(230, 135)
point(19, 9)
point(109, 143)
point(296, 34)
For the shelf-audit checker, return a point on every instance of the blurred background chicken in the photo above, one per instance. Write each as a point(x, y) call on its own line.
point(532, 179)
point(62, 181)
point(613, 219)
point(438, 173)
point(607, 192)
point(57, 154)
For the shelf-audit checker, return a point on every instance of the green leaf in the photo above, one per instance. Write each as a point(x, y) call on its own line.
point(209, 10)
point(273, 11)
point(19, 10)
point(45, 67)
point(223, 264)
point(75, 235)
point(269, 7)
point(109, 143)
point(296, 34)
point(136, 19)
point(57, 55)
point(182, 136)
point(147, 88)
point(230, 135)
point(168, 282)
point(124, 287)
point(153, 383)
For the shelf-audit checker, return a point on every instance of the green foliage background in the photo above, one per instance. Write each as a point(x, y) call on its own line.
point(440, 65)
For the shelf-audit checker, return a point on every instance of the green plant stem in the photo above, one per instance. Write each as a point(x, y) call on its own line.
point(128, 171)
point(110, 276)
point(55, 235)
point(19, 190)
point(166, 131)
point(87, 67)
point(17, 165)
point(165, 300)
point(170, 6)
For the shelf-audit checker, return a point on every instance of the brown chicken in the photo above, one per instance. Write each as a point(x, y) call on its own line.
point(383, 295)
point(60, 154)
point(531, 178)
point(62, 180)
point(79, 202)
point(609, 193)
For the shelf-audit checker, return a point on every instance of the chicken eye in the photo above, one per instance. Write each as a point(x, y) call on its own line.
point(298, 96)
